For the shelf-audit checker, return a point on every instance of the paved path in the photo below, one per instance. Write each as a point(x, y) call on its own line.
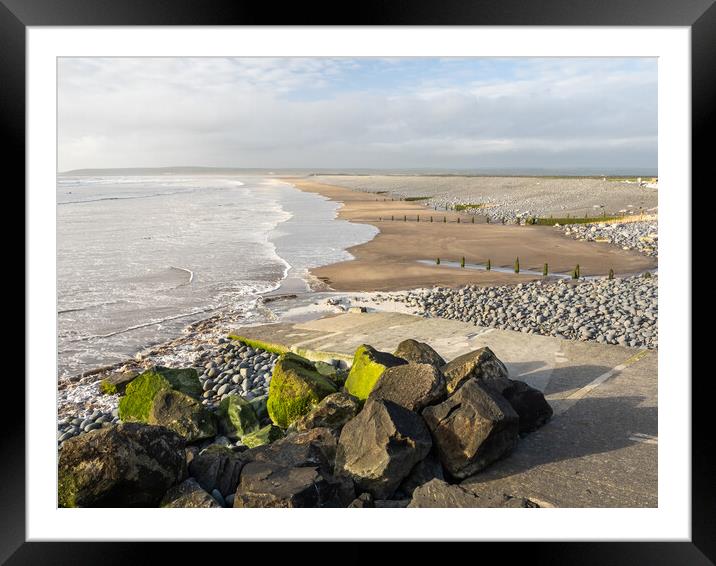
point(600, 448)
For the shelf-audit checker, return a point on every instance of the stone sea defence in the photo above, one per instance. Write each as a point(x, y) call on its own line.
point(621, 311)
point(402, 428)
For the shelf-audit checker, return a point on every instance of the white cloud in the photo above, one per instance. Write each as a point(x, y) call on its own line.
point(323, 112)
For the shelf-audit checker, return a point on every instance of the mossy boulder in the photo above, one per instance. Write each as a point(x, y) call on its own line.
point(258, 404)
point(183, 414)
point(116, 384)
point(368, 365)
point(296, 388)
point(136, 405)
point(237, 417)
point(125, 465)
point(265, 435)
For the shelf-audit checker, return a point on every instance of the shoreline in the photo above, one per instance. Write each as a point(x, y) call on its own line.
point(391, 261)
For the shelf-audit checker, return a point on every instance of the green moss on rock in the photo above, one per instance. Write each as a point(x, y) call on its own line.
point(237, 417)
point(265, 435)
point(368, 365)
point(296, 387)
point(260, 344)
point(136, 405)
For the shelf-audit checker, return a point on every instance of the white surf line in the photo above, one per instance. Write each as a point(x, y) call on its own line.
point(569, 401)
point(644, 438)
point(189, 271)
point(144, 325)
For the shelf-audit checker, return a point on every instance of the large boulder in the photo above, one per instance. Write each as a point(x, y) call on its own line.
point(183, 414)
point(125, 465)
point(315, 447)
point(296, 388)
point(335, 374)
point(472, 428)
point(380, 446)
point(136, 405)
point(413, 386)
point(217, 467)
point(188, 494)
point(332, 412)
point(265, 435)
point(439, 494)
point(265, 484)
point(529, 403)
point(116, 384)
point(418, 353)
point(368, 365)
point(237, 417)
point(481, 364)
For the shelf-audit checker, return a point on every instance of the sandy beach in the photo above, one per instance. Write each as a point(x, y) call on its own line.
point(390, 261)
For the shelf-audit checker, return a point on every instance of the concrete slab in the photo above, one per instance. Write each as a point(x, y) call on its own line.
point(599, 450)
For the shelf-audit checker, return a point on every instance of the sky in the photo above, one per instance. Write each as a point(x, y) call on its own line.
point(333, 113)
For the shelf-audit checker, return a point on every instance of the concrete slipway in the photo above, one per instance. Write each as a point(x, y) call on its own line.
point(600, 448)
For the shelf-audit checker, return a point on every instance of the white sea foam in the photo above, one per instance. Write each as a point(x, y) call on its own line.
point(135, 271)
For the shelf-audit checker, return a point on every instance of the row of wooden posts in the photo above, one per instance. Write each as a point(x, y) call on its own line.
point(576, 273)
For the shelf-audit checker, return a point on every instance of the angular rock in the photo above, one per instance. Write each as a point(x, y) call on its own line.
point(137, 402)
point(258, 404)
point(380, 446)
point(363, 501)
point(116, 384)
point(439, 494)
point(237, 417)
point(413, 386)
point(315, 447)
point(418, 353)
point(296, 388)
point(264, 484)
point(265, 435)
point(183, 414)
point(427, 469)
point(481, 364)
point(124, 465)
point(368, 365)
point(332, 412)
point(529, 403)
point(217, 467)
point(188, 494)
point(472, 428)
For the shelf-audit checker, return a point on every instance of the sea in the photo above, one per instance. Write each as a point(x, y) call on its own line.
point(139, 258)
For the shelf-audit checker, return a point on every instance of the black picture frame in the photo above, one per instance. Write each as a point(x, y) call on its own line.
point(699, 15)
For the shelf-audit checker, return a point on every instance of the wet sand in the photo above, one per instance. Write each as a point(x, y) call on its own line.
point(389, 262)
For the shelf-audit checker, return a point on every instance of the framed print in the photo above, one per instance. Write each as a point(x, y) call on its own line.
point(297, 265)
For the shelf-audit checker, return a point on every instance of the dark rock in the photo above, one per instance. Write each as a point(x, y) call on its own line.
point(413, 386)
point(380, 446)
point(183, 414)
point(472, 428)
point(363, 501)
point(418, 353)
point(529, 403)
point(428, 469)
point(332, 412)
point(439, 494)
point(480, 364)
point(125, 465)
point(188, 494)
point(315, 447)
point(264, 484)
point(217, 467)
